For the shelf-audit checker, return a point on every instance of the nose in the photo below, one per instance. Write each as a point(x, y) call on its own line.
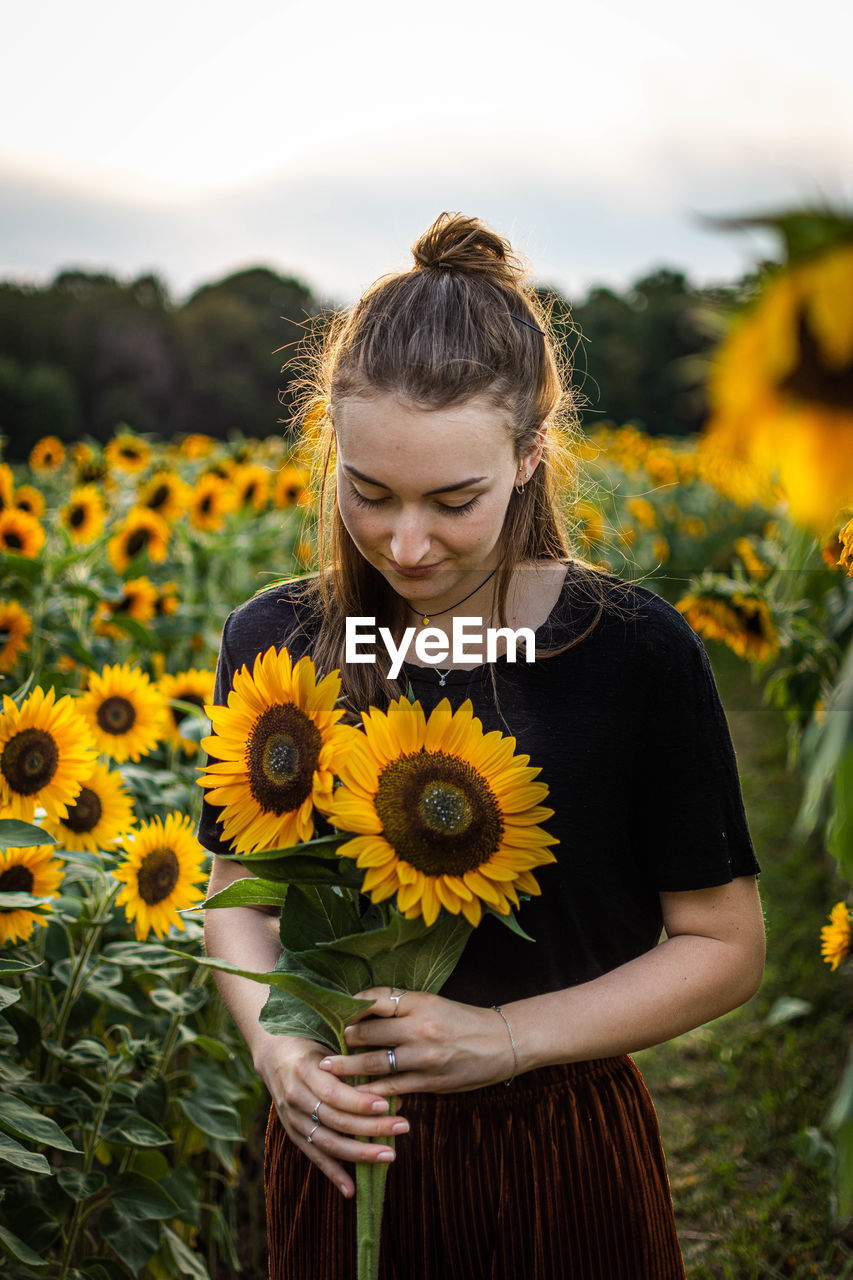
point(410, 540)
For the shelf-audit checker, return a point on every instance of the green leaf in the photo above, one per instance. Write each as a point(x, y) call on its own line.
point(12, 566)
point(510, 922)
point(13, 1245)
point(182, 1002)
point(79, 1185)
point(213, 1118)
point(213, 1048)
point(11, 1152)
point(315, 914)
point(187, 1263)
point(24, 1121)
point(22, 902)
point(141, 954)
point(141, 1198)
point(134, 1242)
point(8, 996)
point(840, 831)
point(15, 834)
point(138, 1131)
point(248, 891)
point(409, 953)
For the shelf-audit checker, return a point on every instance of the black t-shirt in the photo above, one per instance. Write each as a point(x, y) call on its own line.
point(632, 740)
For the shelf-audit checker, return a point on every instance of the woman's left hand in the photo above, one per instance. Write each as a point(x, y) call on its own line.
point(422, 1043)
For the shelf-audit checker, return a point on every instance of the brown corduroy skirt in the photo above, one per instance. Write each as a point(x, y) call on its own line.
point(560, 1176)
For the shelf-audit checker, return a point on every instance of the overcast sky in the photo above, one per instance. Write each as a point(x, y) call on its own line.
point(195, 138)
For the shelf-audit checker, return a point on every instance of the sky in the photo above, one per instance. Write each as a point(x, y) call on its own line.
point(193, 139)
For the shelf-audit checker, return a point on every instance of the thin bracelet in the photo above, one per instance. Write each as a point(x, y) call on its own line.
point(499, 1010)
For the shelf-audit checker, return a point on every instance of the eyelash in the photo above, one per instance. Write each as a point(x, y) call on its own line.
point(361, 501)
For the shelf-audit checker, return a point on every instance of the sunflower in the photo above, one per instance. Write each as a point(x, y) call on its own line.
point(7, 486)
point(643, 512)
point(291, 486)
point(125, 711)
point(196, 446)
point(193, 686)
point(168, 600)
point(743, 622)
point(781, 388)
point(142, 531)
point(32, 870)
point(138, 601)
point(90, 465)
point(46, 754)
point(211, 500)
point(444, 815)
point(15, 625)
point(835, 936)
point(251, 486)
point(165, 493)
point(752, 562)
point(30, 499)
point(101, 814)
point(845, 540)
point(127, 452)
point(47, 455)
point(20, 533)
point(589, 524)
point(273, 748)
point(160, 874)
point(83, 515)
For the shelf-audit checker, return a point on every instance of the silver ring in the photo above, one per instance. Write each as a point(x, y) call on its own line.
point(315, 1113)
point(397, 996)
point(313, 1131)
point(392, 1061)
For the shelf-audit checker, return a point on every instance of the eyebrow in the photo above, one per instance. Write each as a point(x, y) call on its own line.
point(444, 488)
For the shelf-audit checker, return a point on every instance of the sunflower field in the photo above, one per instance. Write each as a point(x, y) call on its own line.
point(126, 1093)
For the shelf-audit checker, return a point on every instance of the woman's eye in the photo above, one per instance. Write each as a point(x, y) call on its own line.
point(362, 501)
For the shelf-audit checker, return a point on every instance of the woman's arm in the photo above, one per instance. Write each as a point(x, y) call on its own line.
point(711, 962)
point(288, 1065)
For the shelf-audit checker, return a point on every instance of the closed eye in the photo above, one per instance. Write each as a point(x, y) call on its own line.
point(361, 501)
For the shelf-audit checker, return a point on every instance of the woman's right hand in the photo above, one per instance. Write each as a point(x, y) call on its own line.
point(288, 1067)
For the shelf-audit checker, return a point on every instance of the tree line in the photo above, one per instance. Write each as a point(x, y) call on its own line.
point(88, 351)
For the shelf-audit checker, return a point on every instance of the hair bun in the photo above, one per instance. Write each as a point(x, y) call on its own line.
point(457, 243)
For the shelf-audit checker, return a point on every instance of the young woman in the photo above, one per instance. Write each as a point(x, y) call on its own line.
point(526, 1142)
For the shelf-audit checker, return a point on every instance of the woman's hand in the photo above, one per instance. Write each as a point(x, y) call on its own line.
point(289, 1067)
point(439, 1046)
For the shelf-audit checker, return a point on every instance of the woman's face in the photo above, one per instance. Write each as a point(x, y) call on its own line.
point(423, 492)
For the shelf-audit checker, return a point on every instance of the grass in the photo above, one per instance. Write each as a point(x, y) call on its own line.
point(740, 1101)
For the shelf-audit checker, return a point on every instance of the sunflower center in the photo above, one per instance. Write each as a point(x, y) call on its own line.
point(438, 813)
point(116, 715)
point(159, 496)
point(29, 761)
point(137, 542)
point(85, 813)
point(77, 517)
point(16, 879)
point(812, 378)
point(157, 876)
point(13, 539)
point(206, 504)
point(5, 635)
point(282, 755)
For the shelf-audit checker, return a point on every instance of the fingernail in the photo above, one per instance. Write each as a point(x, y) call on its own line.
point(344, 1190)
point(326, 1064)
point(379, 1104)
point(385, 1157)
point(400, 1127)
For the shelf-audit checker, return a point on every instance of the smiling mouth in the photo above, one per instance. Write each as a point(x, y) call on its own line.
point(414, 572)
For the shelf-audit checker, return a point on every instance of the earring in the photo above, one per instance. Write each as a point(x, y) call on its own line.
point(520, 488)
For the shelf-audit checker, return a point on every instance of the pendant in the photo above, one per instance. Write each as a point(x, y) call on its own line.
point(425, 620)
point(443, 681)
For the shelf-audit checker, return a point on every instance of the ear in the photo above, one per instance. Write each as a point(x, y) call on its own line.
point(532, 456)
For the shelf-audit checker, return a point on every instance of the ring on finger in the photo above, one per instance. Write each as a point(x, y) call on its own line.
point(396, 996)
point(392, 1061)
point(313, 1131)
point(315, 1114)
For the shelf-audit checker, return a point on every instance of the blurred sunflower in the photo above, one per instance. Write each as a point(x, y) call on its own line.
point(33, 870)
point(142, 532)
point(83, 515)
point(47, 455)
point(194, 687)
point(210, 501)
point(101, 814)
point(125, 712)
point(643, 512)
point(196, 446)
point(167, 600)
point(781, 387)
point(273, 748)
point(127, 452)
point(15, 625)
point(845, 555)
point(138, 601)
point(444, 815)
point(742, 622)
point(589, 524)
point(90, 465)
point(291, 486)
point(7, 486)
point(160, 874)
point(835, 936)
point(251, 486)
point(46, 754)
point(165, 493)
point(30, 499)
point(20, 534)
point(750, 559)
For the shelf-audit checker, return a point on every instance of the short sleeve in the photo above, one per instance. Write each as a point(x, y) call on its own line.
point(692, 827)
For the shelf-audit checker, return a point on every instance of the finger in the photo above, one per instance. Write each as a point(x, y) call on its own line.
point(376, 1031)
point(326, 1143)
point(349, 1125)
point(383, 1006)
point(376, 1062)
point(335, 1093)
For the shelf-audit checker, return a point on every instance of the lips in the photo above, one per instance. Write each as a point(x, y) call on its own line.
point(420, 572)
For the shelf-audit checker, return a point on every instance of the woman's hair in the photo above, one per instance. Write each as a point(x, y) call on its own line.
point(462, 322)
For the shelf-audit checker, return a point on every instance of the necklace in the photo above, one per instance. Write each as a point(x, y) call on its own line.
point(425, 618)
